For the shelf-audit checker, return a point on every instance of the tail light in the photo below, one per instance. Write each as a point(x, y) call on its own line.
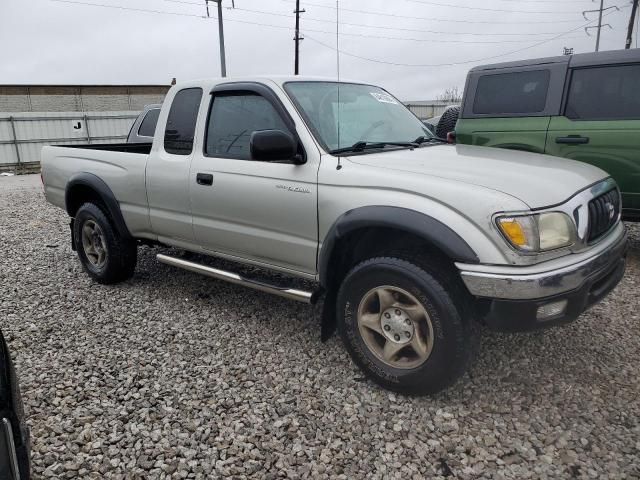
point(451, 137)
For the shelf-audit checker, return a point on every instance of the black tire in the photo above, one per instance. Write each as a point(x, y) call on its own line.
point(452, 333)
point(447, 122)
point(121, 253)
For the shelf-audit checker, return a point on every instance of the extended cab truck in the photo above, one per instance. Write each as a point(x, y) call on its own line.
point(585, 107)
point(408, 239)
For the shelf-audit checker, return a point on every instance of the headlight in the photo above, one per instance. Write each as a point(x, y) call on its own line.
point(538, 233)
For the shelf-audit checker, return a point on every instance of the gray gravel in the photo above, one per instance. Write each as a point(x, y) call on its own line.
point(171, 375)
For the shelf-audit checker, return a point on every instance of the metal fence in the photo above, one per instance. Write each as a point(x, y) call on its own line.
point(426, 110)
point(22, 135)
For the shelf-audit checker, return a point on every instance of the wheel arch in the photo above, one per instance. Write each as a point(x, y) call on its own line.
point(410, 222)
point(354, 236)
point(86, 187)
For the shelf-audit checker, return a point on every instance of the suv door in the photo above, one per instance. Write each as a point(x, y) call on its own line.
point(265, 212)
point(600, 125)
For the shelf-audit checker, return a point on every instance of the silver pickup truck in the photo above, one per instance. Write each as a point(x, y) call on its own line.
point(407, 240)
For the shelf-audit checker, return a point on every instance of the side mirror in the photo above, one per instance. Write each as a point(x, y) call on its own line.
point(274, 146)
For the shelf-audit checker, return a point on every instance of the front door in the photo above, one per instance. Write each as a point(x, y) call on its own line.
point(601, 126)
point(259, 211)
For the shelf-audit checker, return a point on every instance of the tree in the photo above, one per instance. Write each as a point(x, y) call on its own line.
point(450, 95)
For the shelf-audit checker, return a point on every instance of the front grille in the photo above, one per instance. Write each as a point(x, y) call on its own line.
point(603, 214)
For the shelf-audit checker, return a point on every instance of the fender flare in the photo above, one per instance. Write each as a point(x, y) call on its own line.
point(103, 191)
point(410, 221)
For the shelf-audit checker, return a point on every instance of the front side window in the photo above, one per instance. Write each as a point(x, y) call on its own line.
point(232, 120)
point(342, 114)
point(148, 125)
point(603, 93)
point(512, 93)
point(181, 123)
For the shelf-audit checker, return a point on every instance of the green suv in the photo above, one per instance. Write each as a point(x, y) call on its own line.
point(584, 107)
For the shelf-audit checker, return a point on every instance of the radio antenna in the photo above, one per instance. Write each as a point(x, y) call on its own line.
point(338, 37)
point(338, 71)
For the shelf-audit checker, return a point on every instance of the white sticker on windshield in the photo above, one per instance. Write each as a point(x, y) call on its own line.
point(383, 97)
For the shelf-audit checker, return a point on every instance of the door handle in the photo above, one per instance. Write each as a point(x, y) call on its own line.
point(204, 179)
point(572, 140)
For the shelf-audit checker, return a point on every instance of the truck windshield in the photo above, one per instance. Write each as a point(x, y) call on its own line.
point(345, 115)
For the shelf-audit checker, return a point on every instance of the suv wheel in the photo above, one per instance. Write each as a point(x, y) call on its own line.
point(402, 328)
point(447, 122)
point(105, 255)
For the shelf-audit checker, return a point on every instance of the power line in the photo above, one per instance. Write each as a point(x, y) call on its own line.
point(451, 5)
point(439, 32)
point(382, 27)
point(329, 21)
point(424, 40)
point(286, 27)
point(164, 12)
point(277, 14)
point(543, 1)
point(493, 57)
point(435, 19)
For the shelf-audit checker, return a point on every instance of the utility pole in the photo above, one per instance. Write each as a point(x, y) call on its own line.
point(223, 60)
point(600, 25)
point(297, 38)
point(634, 10)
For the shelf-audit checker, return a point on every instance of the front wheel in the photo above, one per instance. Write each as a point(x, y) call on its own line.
point(105, 255)
point(401, 326)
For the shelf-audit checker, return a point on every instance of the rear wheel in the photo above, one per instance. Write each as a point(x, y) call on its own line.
point(105, 255)
point(402, 327)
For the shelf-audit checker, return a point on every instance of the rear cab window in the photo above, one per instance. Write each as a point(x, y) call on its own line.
point(181, 122)
point(604, 93)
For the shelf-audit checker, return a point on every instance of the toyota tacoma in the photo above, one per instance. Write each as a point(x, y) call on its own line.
point(407, 240)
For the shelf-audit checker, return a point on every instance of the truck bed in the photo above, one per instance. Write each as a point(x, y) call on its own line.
point(143, 148)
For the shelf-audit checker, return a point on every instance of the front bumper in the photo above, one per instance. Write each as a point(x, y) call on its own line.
point(511, 297)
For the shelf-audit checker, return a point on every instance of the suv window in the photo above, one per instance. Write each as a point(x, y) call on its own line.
point(604, 93)
point(232, 120)
point(148, 125)
point(517, 92)
point(181, 123)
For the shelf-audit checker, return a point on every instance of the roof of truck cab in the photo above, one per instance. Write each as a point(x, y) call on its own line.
point(277, 79)
point(576, 60)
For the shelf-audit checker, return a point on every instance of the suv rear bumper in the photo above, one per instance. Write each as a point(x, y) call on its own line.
point(527, 300)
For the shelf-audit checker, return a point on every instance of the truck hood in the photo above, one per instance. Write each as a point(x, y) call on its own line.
point(537, 180)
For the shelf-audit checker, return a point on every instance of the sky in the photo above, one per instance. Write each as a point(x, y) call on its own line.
point(414, 48)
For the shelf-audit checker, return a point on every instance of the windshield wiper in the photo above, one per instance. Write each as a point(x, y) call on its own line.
point(362, 146)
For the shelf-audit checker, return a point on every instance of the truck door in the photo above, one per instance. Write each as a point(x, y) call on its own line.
point(168, 169)
point(600, 125)
point(264, 212)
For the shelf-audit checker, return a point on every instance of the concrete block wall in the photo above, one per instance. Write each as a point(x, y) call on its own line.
point(79, 98)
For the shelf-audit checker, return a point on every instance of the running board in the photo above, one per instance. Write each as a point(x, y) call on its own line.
point(290, 293)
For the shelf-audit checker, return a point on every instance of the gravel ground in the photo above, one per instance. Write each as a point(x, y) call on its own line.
point(171, 375)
